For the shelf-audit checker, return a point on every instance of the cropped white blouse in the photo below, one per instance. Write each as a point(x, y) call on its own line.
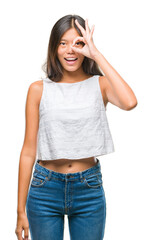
point(72, 121)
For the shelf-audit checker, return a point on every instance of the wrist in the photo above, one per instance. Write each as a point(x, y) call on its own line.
point(96, 55)
point(20, 211)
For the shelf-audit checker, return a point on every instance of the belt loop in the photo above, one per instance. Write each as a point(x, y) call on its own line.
point(81, 177)
point(49, 175)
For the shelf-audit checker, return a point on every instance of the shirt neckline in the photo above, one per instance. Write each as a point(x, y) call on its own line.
point(73, 82)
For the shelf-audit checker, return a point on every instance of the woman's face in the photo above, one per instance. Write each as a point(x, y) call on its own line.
point(65, 51)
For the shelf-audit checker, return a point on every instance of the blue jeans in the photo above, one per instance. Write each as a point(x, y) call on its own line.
point(79, 195)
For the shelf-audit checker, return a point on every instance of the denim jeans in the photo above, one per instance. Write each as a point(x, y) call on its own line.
point(79, 195)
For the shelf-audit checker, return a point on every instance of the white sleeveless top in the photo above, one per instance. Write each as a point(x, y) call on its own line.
point(72, 121)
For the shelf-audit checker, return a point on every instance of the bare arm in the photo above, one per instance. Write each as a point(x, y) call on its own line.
point(28, 154)
point(117, 91)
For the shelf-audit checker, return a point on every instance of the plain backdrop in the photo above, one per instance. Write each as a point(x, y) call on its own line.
point(124, 35)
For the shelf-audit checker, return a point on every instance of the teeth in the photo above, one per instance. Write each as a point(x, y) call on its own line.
point(70, 58)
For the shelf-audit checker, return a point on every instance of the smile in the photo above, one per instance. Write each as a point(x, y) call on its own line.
point(71, 61)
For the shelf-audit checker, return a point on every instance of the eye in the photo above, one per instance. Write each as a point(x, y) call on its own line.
point(62, 43)
point(79, 43)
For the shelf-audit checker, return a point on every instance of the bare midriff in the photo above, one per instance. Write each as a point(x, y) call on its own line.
point(68, 165)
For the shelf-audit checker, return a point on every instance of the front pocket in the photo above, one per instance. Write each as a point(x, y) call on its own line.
point(93, 180)
point(38, 179)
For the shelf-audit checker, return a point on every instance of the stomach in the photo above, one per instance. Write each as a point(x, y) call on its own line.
point(68, 165)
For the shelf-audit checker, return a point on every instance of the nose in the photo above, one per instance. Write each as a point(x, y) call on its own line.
point(69, 49)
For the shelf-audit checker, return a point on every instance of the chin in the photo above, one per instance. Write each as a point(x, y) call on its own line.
point(71, 70)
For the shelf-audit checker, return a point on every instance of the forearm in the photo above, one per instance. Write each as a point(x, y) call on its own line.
point(120, 87)
point(24, 176)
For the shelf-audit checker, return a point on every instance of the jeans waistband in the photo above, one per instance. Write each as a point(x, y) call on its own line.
point(63, 176)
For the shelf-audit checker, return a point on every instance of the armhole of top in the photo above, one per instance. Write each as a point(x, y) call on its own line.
point(100, 93)
point(42, 96)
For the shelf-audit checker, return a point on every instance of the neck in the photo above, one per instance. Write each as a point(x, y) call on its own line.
point(75, 76)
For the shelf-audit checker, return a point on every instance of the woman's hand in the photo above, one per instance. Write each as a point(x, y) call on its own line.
point(89, 50)
point(22, 224)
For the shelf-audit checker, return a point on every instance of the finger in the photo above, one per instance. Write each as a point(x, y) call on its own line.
point(92, 30)
point(19, 236)
point(76, 50)
point(26, 233)
point(87, 27)
point(78, 39)
point(80, 27)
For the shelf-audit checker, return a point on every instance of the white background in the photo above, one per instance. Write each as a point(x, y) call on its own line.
point(124, 35)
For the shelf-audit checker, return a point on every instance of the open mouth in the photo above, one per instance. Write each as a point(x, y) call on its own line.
point(71, 60)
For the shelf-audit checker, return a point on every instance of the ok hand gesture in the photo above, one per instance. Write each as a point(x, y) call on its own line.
point(89, 50)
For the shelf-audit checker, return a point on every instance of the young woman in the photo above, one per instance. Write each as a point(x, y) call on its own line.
point(66, 130)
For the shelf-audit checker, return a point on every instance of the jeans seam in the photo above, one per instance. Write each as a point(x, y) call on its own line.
point(91, 174)
point(40, 173)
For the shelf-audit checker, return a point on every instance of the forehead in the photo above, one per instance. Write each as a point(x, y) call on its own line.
point(70, 35)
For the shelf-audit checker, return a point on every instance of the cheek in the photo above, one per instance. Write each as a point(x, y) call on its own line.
point(81, 59)
point(60, 52)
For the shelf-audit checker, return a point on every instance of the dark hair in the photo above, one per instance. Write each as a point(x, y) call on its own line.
point(52, 66)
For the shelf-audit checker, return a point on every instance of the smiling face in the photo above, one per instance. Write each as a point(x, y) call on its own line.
point(65, 51)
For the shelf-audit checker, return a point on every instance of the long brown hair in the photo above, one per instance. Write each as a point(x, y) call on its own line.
point(52, 66)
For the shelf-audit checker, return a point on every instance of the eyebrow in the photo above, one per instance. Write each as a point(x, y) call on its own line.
point(63, 39)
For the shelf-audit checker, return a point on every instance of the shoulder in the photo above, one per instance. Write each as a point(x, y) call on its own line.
point(35, 86)
point(35, 91)
point(103, 88)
